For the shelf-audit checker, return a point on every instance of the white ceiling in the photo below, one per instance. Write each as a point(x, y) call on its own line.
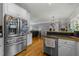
point(42, 12)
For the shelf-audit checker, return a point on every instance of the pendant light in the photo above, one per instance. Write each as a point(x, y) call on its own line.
point(52, 24)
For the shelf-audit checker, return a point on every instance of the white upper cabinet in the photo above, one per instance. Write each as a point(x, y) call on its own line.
point(15, 10)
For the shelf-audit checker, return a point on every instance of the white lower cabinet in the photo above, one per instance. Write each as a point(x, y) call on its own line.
point(66, 47)
point(24, 44)
point(77, 49)
point(19, 48)
point(29, 39)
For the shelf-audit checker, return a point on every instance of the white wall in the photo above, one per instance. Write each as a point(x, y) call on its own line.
point(63, 22)
point(75, 13)
point(46, 26)
point(15, 10)
point(42, 26)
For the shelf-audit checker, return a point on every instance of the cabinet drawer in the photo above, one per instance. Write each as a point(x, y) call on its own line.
point(49, 42)
point(66, 42)
point(10, 50)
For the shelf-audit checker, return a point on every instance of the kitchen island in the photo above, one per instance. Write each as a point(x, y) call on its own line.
point(61, 45)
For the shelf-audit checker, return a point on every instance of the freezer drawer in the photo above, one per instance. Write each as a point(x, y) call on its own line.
point(24, 44)
point(10, 50)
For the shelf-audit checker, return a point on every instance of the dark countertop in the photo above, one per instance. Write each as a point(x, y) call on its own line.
point(61, 31)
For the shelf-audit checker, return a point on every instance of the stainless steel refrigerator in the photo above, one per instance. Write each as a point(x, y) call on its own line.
point(15, 29)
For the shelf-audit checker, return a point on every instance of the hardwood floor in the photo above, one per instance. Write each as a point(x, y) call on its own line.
point(36, 49)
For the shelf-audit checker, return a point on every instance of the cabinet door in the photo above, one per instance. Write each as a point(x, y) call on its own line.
point(29, 39)
point(72, 46)
point(77, 48)
point(66, 48)
point(1, 46)
point(62, 50)
point(24, 44)
point(19, 47)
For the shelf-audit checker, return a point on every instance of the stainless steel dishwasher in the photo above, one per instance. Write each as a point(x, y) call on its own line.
point(51, 45)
